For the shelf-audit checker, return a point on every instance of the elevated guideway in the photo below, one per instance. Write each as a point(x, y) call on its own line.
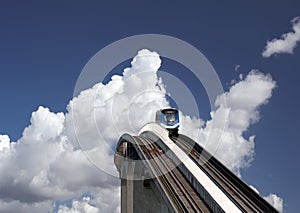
point(237, 190)
point(181, 195)
point(178, 175)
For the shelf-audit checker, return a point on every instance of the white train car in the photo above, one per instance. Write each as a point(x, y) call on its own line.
point(169, 119)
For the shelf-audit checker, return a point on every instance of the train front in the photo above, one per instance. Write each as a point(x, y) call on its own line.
point(169, 119)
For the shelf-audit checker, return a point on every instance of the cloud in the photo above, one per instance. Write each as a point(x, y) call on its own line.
point(17, 206)
point(286, 44)
point(240, 108)
point(47, 163)
point(79, 206)
point(275, 201)
point(237, 67)
point(4, 142)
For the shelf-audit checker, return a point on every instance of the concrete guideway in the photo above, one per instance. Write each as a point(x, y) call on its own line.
point(183, 177)
point(237, 190)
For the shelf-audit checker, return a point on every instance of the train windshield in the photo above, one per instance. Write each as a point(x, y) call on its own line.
point(170, 117)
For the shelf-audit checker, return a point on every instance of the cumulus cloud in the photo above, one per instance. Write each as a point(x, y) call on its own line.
point(275, 201)
point(4, 142)
point(286, 44)
point(83, 205)
point(47, 163)
point(239, 107)
point(17, 206)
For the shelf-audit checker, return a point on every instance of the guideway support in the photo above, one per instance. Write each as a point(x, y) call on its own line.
point(139, 193)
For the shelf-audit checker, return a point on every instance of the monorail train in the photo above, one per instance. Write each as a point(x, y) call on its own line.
point(169, 119)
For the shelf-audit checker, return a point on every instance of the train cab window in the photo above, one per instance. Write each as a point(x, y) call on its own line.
point(170, 117)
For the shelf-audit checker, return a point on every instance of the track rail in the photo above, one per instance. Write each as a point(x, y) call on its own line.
point(238, 191)
point(186, 198)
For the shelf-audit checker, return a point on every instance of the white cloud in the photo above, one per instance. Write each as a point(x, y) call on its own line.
point(275, 201)
point(47, 164)
point(15, 206)
point(237, 67)
point(4, 142)
point(79, 206)
point(286, 44)
point(240, 108)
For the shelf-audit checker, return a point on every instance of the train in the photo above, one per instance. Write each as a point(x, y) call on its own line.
point(169, 119)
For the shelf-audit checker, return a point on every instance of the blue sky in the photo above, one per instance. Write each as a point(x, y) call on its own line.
point(45, 45)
